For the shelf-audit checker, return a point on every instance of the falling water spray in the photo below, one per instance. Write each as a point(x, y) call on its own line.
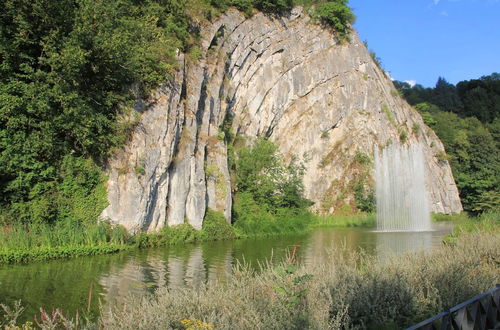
point(402, 202)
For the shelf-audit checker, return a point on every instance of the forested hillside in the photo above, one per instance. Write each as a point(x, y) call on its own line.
point(69, 75)
point(466, 117)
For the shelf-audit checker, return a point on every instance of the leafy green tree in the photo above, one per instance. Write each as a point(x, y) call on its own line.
point(68, 70)
point(336, 14)
point(445, 96)
point(262, 173)
point(481, 97)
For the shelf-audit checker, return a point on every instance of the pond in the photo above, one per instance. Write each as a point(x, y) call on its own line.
point(82, 284)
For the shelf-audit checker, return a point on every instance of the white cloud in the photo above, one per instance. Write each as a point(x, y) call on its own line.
point(443, 13)
point(436, 2)
point(411, 82)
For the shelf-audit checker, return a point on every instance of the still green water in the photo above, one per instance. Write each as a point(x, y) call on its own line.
point(109, 279)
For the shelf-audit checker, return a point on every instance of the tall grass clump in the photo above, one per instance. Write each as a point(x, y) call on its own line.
point(488, 222)
point(349, 291)
point(63, 233)
point(42, 241)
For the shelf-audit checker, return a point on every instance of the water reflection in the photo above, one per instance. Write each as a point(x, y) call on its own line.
point(112, 278)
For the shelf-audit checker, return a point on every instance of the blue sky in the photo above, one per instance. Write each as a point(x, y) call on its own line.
point(421, 40)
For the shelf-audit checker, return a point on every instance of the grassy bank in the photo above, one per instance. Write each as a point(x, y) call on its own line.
point(349, 291)
point(39, 242)
point(487, 222)
point(355, 220)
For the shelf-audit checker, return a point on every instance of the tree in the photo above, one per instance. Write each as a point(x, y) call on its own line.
point(446, 97)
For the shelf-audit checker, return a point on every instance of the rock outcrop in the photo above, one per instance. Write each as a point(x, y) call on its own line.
point(287, 79)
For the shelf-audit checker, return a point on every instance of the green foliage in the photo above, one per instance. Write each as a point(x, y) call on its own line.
point(388, 114)
point(355, 220)
point(488, 222)
point(403, 135)
point(253, 219)
point(41, 241)
point(269, 198)
point(337, 14)
point(273, 6)
point(472, 143)
point(416, 128)
point(216, 227)
point(362, 159)
point(364, 194)
point(61, 252)
point(478, 98)
point(69, 71)
point(262, 173)
point(454, 217)
point(365, 198)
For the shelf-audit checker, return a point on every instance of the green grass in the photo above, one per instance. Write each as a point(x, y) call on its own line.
point(39, 242)
point(455, 217)
point(487, 223)
point(356, 220)
point(60, 252)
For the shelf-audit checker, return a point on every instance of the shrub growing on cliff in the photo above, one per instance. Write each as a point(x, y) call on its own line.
point(261, 172)
point(336, 14)
point(269, 197)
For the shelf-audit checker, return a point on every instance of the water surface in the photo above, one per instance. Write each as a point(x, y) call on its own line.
point(109, 279)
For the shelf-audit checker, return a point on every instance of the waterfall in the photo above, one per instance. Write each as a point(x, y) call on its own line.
point(402, 202)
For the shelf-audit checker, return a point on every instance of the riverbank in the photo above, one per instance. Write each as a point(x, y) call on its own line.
point(36, 242)
point(65, 240)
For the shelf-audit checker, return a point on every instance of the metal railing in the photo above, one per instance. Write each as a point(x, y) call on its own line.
point(480, 312)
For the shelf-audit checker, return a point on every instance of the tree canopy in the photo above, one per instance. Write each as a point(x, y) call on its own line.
point(466, 119)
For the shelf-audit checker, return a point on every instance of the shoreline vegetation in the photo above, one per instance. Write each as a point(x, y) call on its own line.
point(351, 290)
point(43, 242)
point(32, 243)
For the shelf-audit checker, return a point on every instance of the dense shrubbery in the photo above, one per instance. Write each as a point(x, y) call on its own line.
point(465, 117)
point(216, 227)
point(337, 15)
point(69, 71)
point(269, 197)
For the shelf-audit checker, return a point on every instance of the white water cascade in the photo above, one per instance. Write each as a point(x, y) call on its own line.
point(402, 202)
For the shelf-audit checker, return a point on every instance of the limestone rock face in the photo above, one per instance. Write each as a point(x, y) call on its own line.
point(320, 101)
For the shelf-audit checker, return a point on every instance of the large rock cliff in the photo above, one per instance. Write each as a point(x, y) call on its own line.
point(287, 79)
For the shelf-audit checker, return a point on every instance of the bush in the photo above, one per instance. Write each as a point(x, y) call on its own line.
point(216, 227)
point(336, 14)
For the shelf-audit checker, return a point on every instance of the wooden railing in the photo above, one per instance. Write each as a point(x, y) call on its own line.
point(480, 312)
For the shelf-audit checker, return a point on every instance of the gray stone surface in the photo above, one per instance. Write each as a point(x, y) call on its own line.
point(286, 79)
